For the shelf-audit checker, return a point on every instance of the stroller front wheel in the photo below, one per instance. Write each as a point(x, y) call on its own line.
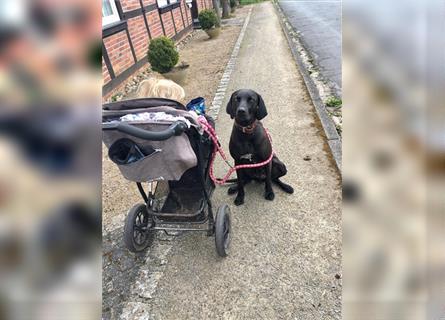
point(138, 232)
point(222, 230)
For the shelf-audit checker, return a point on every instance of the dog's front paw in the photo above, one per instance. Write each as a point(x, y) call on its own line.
point(270, 195)
point(232, 190)
point(288, 189)
point(239, 200)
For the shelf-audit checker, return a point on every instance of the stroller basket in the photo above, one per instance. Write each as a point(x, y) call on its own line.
point(149, 150)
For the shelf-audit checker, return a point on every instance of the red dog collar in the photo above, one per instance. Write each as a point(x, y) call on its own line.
point(248, 129)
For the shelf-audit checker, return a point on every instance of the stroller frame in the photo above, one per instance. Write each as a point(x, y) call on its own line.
point(205, 205)
point(161, 220)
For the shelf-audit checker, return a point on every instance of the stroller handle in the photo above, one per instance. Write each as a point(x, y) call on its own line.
point(175, 129)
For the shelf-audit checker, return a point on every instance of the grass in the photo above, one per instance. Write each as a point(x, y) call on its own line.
point(229, 17)
point(115, 97)
point(333, 102)
point(245, 2)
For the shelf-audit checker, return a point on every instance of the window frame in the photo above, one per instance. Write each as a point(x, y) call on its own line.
point(168, 3)
point(115, 17)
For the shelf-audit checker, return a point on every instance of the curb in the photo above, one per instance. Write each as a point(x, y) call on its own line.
point(333, 139)
point(230, 66)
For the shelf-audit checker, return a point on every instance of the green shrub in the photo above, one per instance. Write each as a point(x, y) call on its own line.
point(162, 54)
point(333, 102)
point(95, 55)
point(245, 2)
point(232, 4)
point(207, 19)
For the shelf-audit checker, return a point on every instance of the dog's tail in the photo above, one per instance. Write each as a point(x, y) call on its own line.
point(285, 187)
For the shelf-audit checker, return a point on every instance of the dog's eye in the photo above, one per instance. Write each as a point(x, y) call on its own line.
point(249, 99)
point(238, 99)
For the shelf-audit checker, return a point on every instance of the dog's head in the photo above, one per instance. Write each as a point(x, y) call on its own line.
point(245, 106)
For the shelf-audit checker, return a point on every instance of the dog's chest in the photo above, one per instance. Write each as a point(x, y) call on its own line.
point(243, 150)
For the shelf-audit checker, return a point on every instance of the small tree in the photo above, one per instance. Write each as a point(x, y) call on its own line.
point(233, 5)
point(207, 19)
point(217, 8)
point(162, 54)
point(225, 9)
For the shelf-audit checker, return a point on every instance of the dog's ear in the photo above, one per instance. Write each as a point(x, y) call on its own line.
point(261, 111)
point(230, 108)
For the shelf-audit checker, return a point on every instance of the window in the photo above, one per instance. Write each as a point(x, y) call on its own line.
point(13, 14)
point(109, 12)
point(164, 3)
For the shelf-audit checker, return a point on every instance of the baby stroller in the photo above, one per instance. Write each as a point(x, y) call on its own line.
point(158, 142)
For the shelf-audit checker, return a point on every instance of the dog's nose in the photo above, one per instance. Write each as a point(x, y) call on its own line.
point(242, 111)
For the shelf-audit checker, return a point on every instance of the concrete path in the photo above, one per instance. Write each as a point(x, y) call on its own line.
point(285, 257)
point(319, 24)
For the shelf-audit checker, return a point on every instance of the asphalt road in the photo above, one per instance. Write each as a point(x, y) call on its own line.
point(319, 24)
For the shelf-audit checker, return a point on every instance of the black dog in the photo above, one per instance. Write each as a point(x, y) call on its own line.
point(249, 144)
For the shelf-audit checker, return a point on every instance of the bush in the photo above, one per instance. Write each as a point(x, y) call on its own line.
point(162, 54)
point(95, 55)
point(246, 2)
point(333, 102)
point(232, 4)
point(207, 19)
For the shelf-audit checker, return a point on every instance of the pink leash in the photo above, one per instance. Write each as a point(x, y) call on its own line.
point(217, 148)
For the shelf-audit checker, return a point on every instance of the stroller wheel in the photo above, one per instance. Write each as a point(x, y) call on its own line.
point(222, 230)
point(138, 232)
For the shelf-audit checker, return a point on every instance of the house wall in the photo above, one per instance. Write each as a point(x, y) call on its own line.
point(125, 43)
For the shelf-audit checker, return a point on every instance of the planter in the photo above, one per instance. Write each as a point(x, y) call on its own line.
point(213, 33)
point(177, 74)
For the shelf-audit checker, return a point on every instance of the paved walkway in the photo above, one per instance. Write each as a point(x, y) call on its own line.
point(319, 24)
point(286, 254)
point(285, 257)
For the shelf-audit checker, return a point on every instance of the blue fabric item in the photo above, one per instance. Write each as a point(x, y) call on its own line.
point(197, 105)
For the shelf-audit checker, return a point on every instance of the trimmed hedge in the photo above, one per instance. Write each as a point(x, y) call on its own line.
point(207, 19)
point(162, 54)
